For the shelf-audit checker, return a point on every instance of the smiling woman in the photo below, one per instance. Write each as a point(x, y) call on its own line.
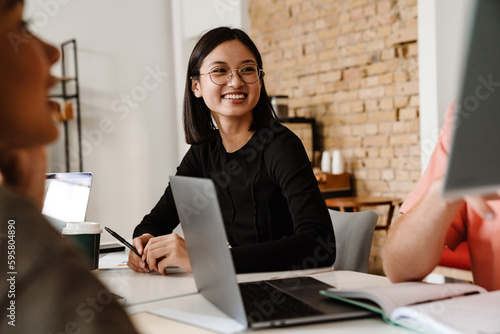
point(48, 281)
point(198, 125)
point(274, 214)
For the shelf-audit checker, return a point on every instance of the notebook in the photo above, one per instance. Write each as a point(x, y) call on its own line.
point(474, 154)
point(66, 198)
point(254, 304)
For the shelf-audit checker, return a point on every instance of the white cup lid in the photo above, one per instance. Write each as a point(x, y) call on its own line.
point(82, 228)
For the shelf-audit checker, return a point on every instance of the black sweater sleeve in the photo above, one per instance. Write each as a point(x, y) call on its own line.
point(313, 242)
point(162, 219)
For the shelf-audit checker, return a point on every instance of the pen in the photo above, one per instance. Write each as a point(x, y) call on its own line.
point(123, 241)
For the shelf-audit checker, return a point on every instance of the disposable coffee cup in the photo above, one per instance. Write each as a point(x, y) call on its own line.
point(86, 236)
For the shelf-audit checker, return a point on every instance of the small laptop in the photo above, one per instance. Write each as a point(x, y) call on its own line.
point(66, 198)
point(259, 304)
point(475, 154)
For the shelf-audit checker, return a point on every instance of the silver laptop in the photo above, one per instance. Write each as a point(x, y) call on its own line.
point(260, 304)
point(66, 198)
point(475, 150)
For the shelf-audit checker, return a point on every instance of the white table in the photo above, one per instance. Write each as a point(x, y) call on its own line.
point(140, 288)
point(146, 293)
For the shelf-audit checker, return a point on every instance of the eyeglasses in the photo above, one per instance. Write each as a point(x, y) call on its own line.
point(248, 73)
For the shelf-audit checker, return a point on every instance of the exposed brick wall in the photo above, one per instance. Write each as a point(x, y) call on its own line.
point(352, 65)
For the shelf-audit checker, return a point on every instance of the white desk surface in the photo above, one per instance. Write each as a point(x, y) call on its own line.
point(145, 293)
point(139, 288)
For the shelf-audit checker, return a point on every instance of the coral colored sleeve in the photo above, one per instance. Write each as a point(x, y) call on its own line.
point(436, 170)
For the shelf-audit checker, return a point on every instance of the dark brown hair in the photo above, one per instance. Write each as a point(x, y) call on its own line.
point(8, 4)
point(198, 123)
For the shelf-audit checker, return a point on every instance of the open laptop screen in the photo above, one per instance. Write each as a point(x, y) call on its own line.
point(66, 197)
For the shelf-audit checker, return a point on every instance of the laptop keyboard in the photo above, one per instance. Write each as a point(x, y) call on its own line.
point(264, 302)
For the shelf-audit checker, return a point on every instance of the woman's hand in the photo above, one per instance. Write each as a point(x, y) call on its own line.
point(24, 171)
point(167, 250)
point(137, 263)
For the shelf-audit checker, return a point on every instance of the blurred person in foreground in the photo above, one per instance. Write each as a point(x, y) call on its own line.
point(46, 285)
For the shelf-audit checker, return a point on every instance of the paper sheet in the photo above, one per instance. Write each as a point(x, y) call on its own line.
point(117, 260)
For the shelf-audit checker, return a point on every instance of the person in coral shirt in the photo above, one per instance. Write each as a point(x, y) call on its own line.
point(429, 222)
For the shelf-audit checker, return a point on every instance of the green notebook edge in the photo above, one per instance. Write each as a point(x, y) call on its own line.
point(374, 309)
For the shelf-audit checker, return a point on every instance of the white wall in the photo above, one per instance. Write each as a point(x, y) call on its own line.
point(125, 51)
point(442, 31)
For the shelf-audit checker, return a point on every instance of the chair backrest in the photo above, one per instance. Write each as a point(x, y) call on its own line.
point(353, 238)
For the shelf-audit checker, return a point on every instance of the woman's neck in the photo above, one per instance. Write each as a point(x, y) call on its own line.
point(234, 134)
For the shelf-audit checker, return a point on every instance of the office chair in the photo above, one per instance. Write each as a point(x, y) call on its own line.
point(353, 237)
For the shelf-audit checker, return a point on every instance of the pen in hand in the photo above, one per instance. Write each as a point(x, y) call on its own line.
point(123, 241)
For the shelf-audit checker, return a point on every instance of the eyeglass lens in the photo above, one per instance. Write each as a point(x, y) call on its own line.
point(220, 75)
